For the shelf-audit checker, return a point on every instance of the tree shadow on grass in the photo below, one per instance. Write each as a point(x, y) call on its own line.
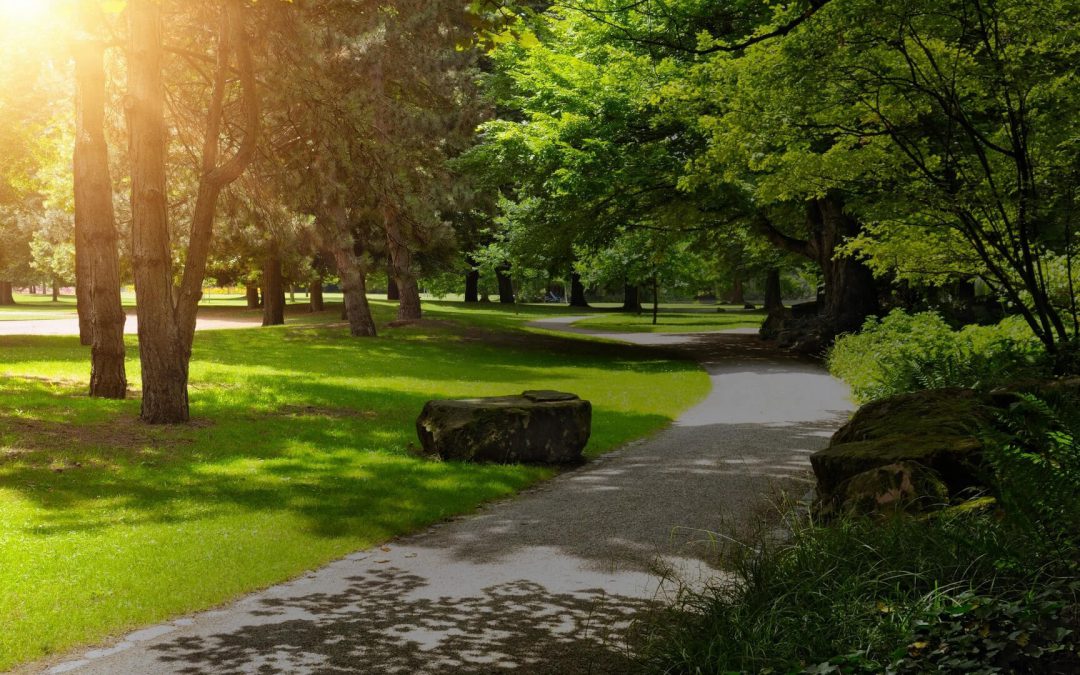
point(339, 464)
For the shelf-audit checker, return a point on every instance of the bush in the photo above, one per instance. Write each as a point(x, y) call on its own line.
point(909, 352)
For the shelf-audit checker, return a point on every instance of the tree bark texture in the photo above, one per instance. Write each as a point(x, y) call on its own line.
point(631, 298)
point(273, 289)
point(850, 290)
point(315, 296)
point(402, 265)
point(97, 256)
point(252, 295)
point(472, 286)
point(392, 292)
point(7, 296)
point(167, 327)
point(506, 284)
point(774, 301)
point(340, 247)
point(577, 291)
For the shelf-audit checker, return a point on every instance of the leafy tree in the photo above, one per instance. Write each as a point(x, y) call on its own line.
point(167, 325)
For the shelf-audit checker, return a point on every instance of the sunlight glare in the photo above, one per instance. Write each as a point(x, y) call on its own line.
point(16, 13)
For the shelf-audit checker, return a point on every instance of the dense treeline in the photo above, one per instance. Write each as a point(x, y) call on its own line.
point(855, 155)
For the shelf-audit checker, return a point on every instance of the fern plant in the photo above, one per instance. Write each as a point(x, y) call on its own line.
point(1035, 454)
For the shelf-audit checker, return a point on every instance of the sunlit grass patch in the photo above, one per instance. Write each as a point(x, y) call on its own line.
point(299, 454)
point(675, 321)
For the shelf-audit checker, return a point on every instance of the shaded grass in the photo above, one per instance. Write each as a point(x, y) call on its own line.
point(675, 321)
point(300, 453)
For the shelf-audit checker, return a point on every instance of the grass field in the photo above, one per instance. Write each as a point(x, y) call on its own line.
point(675, 321)
point(300, 452)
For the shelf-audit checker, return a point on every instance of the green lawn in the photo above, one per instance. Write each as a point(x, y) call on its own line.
point(37, 307)
point(299, 454)
point(675, 321)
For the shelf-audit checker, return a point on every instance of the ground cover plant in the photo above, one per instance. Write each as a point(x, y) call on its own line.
point(989, 585)
point(300, 452)
point(675, 321)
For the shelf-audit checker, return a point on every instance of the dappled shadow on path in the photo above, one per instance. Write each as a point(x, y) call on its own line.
point(382, 622)
point(546, 583)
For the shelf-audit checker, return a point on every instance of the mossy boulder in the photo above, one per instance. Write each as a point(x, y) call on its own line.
point(937, 430)
point(956, 458)
point(905, 486)
point(537, 427)
point(936, 412)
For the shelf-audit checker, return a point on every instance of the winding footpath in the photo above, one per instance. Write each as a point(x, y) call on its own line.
point(549, 581)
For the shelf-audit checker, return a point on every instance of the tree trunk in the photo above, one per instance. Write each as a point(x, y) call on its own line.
point(850, 290)
point(341, 248)
point(631, 298)
point(95, 218)
point(577, 291)
point(354, 288)
point(315, 296)
point(655, 300)
point(252, 294)
point(7, 296)
point(56, 291)
point(167, 327)
point(774, 302)
point(506, 284)
point(737, 296)
point(273, 289)
point(161, 346)
point(401, 262)
point(392, 292)
point(472, 286)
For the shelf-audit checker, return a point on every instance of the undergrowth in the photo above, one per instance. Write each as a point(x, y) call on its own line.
point(990, 586)
point(909, 352)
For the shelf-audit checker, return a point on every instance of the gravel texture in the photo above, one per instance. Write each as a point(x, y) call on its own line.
point(544, 583)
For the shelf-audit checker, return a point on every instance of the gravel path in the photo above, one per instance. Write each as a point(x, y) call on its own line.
point(547, 582)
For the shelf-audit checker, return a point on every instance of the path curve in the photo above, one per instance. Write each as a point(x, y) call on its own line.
point(546, 582)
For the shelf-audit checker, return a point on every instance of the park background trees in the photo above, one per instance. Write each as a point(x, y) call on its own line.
point(890, 154)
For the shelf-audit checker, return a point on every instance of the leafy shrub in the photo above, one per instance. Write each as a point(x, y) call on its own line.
point(908, 352)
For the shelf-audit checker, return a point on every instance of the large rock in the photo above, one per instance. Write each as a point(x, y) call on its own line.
point(907, 487)
point(938, 430)
point(538, 427)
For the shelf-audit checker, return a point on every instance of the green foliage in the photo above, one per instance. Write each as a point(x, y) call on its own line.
point(863, 596)
point(985, 634)
point(1035, 454)
point(909, 352)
